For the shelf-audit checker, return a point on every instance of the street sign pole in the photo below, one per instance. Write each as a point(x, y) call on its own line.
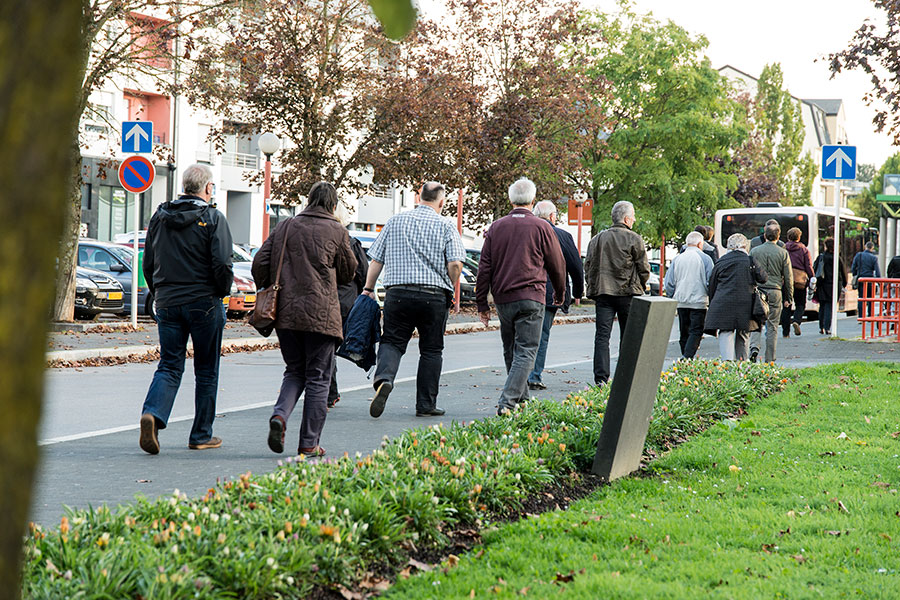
point(134, 263)
point(838, 163)
point(835, 297)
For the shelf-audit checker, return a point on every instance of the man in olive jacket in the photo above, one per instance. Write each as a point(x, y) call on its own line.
point(779, 286)
point(616, 270)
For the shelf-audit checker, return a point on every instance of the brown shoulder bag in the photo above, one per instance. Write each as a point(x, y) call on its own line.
point(263, 316)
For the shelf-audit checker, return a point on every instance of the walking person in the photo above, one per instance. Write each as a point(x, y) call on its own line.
point(187, 265)
point(616, 269)
point(824, 270)
point(778, 288)
point(708, 249)
point(545, 209)
point(422, 257)
point(865, 264)
point(316, 259)
point(687, 281)
point(731, 284)
point(801, 267)
point(348, 292)
point(520, 252)
point(761, 238)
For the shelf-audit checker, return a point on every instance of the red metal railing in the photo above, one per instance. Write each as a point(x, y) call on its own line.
point(880, 300)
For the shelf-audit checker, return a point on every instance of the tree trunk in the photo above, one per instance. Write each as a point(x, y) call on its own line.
point(64, 301)
point(40, 78)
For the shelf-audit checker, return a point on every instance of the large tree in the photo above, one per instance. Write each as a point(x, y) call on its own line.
point(866, 204)
point(875, 50)
point(674, 126)
point(40, 58)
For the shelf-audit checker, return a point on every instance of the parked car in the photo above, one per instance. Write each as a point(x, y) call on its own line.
point(127, 239)
point(243, 296)
point(95, 293)
point(115, 261)
point(653, 281)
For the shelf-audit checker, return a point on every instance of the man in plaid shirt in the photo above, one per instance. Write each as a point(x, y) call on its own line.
point(422, 257)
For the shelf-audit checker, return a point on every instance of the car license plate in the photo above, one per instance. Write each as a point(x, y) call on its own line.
point(250, 298)
point(226, 300)
point(114, 295)
point(102, 295)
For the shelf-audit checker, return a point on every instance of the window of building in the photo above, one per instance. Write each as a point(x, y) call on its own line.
point(115, 212)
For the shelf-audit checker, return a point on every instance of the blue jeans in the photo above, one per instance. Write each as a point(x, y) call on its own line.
point(541, 358)
point(203, 321)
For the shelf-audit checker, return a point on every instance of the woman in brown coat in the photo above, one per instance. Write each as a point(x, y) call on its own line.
point(317, 258)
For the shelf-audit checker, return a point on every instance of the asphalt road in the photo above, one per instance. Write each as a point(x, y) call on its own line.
point(89, 435)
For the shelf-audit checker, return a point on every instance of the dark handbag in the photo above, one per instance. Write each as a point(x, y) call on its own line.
point(759, 307)
point(263, 316)
point(800, 278)
point(820, 267)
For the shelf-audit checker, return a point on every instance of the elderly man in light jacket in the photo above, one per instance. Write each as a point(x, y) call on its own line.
point(687, 282)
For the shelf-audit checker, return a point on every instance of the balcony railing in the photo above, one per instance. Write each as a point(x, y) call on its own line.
point(380, 191)
point(240, 160)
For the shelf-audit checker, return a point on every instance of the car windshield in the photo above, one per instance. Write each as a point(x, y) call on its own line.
point(238, 254)
point(654, 268)
point(121, 252)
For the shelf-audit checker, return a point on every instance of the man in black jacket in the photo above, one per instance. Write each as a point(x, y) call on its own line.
point(545, 209)
point(187, 265)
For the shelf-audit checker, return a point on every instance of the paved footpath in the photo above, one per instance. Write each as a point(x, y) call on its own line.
point(90, 454)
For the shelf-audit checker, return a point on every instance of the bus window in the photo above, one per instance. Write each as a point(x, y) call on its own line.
point(752, 224)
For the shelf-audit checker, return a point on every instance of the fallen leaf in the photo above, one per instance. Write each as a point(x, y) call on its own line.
point(472, 593)
point(895, 435)
point(886, 536)
point(452, 560)
point(867, 419)
point(799, 558)
point(405, 573)
point(501, 581)
point(420, 565)
point(560, 578)
point(524, 591)
point(842, 436)
point(834, 533)
point(784, 532)
point(769, 548)
point(348, 594)
point(144, 480)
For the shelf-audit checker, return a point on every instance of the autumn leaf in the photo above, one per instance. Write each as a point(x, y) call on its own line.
point(397, 17)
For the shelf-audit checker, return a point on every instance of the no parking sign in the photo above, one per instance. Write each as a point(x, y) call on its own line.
point(136, 174)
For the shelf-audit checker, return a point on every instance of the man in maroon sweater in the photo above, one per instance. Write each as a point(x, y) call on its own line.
point(520, 251)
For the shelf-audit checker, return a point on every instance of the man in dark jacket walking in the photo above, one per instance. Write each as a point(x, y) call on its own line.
point(545, 209)
point(520, 251)
point(865, 264)
point(616, 270)
point(187, 265)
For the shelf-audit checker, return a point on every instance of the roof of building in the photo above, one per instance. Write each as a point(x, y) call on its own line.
point(831, 106)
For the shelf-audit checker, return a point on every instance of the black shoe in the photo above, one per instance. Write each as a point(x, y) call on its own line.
point(149, 441)
point(537, 385)
point(331, 402)
point(382, 391)
point(430, 412)
point(754, 353)
point(503, 410)
point(276, 434)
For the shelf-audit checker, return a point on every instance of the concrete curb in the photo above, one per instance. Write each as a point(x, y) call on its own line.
point(137, 352)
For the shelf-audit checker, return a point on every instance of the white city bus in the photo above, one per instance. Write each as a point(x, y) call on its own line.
point(815, 225)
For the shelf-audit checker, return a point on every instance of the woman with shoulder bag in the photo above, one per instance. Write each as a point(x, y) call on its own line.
point(310, 256)
point(801, 265)
point(825, 265)
point(732, 286)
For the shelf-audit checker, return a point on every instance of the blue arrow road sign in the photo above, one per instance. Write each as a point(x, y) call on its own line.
point(137, 136)
point(838, 162)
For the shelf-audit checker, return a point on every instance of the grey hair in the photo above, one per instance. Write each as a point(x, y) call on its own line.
point(870, 245)
point(772, 232)
point(694, 238)
point(195, 178)
point(738, 241)
point(522, 192)
point(544, 209)
point(622, 209)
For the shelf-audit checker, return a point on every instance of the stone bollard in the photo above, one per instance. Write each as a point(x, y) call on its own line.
point(634, 386)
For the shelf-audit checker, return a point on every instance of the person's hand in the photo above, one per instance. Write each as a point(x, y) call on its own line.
point(485, 317)
point(787, 304)
point(577, 301)
point(369, 294)
point(558, 301)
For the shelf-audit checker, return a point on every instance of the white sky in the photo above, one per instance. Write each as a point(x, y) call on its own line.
point(748, 35)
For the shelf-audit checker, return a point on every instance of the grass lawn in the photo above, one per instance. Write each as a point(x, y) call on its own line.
point(799, 499)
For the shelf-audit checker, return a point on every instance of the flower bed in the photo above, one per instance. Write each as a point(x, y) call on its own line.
point(325, 523)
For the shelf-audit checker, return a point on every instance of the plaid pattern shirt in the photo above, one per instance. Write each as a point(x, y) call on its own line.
point(415, 247)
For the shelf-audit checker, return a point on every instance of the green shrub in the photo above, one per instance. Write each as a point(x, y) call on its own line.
point(321, 523)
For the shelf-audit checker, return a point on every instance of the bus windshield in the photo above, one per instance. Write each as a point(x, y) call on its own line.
point(752, 224)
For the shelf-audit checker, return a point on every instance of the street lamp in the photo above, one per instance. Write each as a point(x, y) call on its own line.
point(269, 145)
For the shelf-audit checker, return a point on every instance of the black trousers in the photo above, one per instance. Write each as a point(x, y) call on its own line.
point(405, 311)
point(690, 327)
point(608, 308)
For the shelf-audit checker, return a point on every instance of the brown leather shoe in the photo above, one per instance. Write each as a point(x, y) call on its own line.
point(149, 440)
point(212, 442)
point(314, 451)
